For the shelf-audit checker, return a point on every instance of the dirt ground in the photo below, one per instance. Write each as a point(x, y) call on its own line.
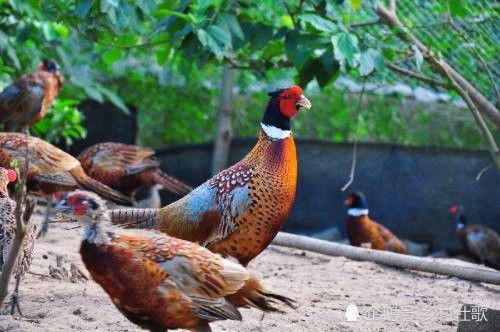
point(387, 299)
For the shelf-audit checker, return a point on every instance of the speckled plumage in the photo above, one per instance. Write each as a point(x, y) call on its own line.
point(50, 169)
point(127, 168)
point(240, 210)
point(8, 230)
point(158, 281)
point(29, 98)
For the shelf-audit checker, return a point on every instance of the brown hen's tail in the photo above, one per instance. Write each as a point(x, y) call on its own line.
point(171, 183)
point(254, 295)
point(100, 188)
point(135, 218)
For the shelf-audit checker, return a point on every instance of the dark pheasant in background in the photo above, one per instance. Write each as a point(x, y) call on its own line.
point(480, 241)
point(50, 169)
point(127, 168)
point(362, 230)
point(159, 282)
point(8, 225)
point(29, 98)
point(239, 211)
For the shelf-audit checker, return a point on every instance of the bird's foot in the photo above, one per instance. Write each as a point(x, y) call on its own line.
point(14, 304)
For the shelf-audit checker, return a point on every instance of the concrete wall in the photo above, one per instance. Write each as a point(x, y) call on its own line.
point(408, 189)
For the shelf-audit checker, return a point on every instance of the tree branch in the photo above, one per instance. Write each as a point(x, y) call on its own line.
point(389, 18)
point(463, 34)
point(418, 76)
point(355, 144)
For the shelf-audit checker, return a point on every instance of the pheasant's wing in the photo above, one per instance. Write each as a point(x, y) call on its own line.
point(393, 243)
point(44, 158)
point(108, 162)
point(203, 277)
point(208, 214)
point(62, 178)
point(21, 101)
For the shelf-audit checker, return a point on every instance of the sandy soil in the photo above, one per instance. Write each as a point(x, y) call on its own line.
point(323, 287)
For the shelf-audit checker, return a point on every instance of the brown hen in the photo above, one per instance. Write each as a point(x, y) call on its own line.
point(29, 98)
point(159, 282)
point(127, 168)
point(50, 169)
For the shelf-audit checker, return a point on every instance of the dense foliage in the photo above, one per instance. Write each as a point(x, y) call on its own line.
point(164, 58)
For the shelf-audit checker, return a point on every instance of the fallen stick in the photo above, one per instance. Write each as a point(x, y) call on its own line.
point(385, 257)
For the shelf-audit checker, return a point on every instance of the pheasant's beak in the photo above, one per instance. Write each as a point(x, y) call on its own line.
point(303, 102)
point(62, 207)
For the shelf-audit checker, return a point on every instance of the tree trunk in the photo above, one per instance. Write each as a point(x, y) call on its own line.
point(385, 257)
point(224, 122)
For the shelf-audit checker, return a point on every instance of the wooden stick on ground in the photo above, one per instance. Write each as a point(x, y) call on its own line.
point(385, 257)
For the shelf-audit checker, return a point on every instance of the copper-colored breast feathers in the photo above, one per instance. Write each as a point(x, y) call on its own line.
point(363, 230)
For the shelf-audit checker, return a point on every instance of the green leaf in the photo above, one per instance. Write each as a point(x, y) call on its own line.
point(318, 22)
point(146, 6)
point(331, 68)
point(366, 63)
point(220, 35)
point(458, 7)
point(114, 98)
point(233, 25)
point(93, 92)
point(109, 5)
point(346, 48)
point(112, 55)
point(83, 8)
point(162, 54)
point(355, 4)
point(208, 41)
point(286, 21)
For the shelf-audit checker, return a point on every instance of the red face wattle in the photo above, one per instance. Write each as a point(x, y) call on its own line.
point(77, 204)
point(292, 101)
point(11, 175)
point(453, 209)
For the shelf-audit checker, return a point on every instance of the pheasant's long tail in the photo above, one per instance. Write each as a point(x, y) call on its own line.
point(135, 218)
point(253, 294)
point(100, 188)
point(171, 183)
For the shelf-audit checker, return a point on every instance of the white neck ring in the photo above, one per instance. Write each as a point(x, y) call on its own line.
point(275, 132)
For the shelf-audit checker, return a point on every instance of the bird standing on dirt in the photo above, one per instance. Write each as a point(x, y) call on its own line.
point(480, 241)
point(239, 211)
point(29, 98)
point(50, 169)
point(8, 226)
point(362, 230)
point(159, 282)
point(127, 168)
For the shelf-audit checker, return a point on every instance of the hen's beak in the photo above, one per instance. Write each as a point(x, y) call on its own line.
point(303, 102)
point(62, 207)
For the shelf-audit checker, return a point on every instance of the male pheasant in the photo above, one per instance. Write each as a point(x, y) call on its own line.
point(50, 169)
point(480, 241)
point(159, 282)
point(8, 227)
point(127, 168)
point(239, 211)
point(29, 98)
point(363, 230)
